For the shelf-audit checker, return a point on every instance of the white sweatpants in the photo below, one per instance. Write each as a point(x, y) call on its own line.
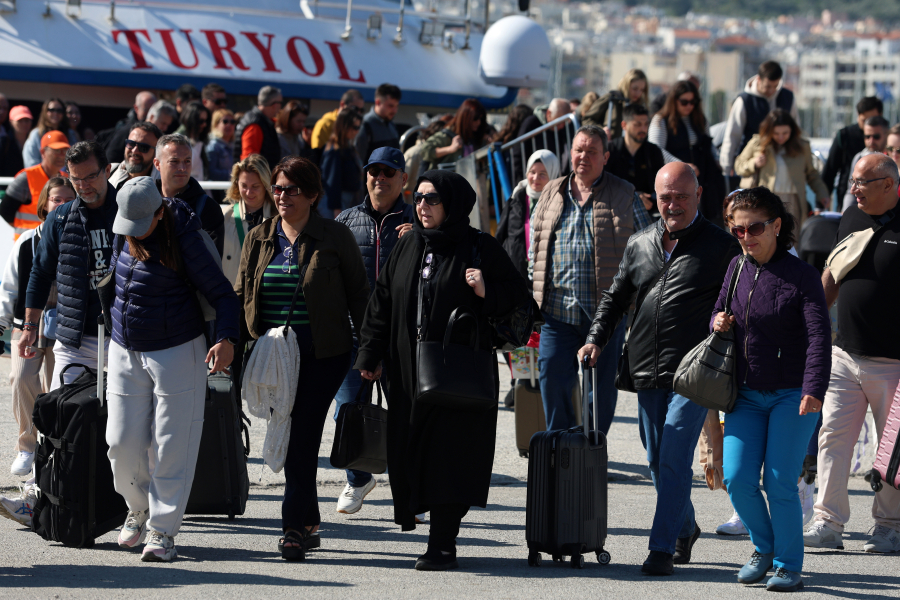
point(156, 402)
point(85, 355)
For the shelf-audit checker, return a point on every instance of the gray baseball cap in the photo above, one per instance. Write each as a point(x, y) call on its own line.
point(138, 200)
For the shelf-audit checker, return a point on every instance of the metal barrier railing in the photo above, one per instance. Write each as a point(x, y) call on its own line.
point(206, 185)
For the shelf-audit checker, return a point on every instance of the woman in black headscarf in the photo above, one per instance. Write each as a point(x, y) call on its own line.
point(439, 459)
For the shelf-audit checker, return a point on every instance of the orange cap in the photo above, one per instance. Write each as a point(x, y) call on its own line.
point(55, 139)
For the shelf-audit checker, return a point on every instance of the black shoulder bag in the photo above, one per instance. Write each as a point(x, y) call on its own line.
point(360, 436)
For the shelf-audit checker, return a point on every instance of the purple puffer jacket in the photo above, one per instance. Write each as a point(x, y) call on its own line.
point(782, 327)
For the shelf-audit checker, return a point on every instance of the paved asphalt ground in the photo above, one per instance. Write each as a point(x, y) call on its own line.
point(367, 556)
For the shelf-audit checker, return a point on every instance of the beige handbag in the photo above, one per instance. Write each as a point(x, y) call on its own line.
point(849, 250)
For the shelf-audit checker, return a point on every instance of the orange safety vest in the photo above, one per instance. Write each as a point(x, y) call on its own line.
point(26, 216)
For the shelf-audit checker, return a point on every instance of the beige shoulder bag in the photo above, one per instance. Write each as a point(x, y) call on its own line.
point(847, 252)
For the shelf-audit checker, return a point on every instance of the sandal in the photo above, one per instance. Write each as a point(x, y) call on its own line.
point(292, 552)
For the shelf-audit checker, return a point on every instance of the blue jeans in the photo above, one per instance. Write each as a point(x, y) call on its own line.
point(766, 432)
point(347, 393)
point(670, 426)
point(558, 369)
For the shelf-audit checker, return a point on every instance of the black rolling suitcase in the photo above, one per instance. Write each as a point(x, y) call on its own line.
point(221, 483)
point(76, 501)
point(566, 507)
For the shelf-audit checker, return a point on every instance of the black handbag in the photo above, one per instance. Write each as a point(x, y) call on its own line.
point(454, 375)
point(360, 437)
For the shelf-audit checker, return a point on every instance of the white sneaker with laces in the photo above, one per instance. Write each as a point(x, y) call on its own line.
point(420, 518)
point(807, 493)
point(884, 539)
point(22, 464)
point(160, 548)
point(820, 535)
point(351, 499)
point(20, 509)
point(732, 526)
point(134, 530)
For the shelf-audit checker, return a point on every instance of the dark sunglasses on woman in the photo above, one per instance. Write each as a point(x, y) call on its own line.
point(691, 102)
point(432, 199)
point(141, 146)
point(377, 170)
point(754, 229)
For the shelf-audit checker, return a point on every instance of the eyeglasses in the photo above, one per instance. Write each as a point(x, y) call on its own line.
point(289, 255)
point(141, 146)
point(874, 136)
point(432, 199)
point(221, 102)
point(427, 270)
point(90, 178)
point(228, 121)
point(892, 149)
point(56, 110)
point(755, 229)
point(291, 190)
point(861, 182)
point(377, 170)
point(277, 103)
point(683, 102)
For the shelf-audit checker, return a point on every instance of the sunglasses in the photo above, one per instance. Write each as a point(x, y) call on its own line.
point(221, 102)
point(755, 229)
point(141, 146)
point(874, 136)
point(378, 170)
point(692, 102)
point(892, 149)
point(432, 199)
point(292, 190)
point(427, 269)
point(228, 122)
point(56, 110)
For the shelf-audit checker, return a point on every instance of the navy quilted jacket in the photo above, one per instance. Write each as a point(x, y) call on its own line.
point(154, 308)
point(782, 327)
point(376, 243)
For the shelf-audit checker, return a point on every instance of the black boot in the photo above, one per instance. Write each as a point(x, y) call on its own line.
point(436, 559)
point(658, 563)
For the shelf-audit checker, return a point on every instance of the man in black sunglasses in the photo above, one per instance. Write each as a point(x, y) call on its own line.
point(875, 132)
point(140, 150)
point(213, 97)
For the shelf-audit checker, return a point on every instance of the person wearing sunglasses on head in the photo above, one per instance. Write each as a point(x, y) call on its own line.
point(875, 134)
point(779, 159)
point(782, 335)
point(220, 147)
point(377, 224)
point(439, 458)
point(140, 150)
point(334, 287)
point(681, 131)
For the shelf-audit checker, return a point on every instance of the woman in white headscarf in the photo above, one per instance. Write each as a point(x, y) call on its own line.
point(515, 221)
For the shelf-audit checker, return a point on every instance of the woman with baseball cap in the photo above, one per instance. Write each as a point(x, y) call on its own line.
point(157, 361)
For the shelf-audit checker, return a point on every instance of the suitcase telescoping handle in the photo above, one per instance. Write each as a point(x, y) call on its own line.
point(585, 419)
point(101, 359)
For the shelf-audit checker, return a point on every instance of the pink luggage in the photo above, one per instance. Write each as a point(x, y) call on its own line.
point(887, 459)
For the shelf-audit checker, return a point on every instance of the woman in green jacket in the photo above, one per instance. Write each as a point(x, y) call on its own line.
point(467, 132)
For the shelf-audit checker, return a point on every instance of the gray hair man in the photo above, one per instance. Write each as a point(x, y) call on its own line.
point(865, 359)
point(672, 273)
point(256, 133)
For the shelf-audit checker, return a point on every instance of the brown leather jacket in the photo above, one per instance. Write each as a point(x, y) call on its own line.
point(613, 201)
point(335, 287)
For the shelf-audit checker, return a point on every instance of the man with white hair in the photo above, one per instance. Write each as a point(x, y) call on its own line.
point(865, 358)
point(557, 108)
point(672, 272)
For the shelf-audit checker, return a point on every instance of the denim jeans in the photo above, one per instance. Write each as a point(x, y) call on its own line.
point(670, 426)
point(558, 369)
point(765, 432)
point(347, 393)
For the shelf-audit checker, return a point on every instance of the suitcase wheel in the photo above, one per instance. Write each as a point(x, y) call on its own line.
point(603, 557)
point(534, 559)
point(557, 558)
point(577, 561)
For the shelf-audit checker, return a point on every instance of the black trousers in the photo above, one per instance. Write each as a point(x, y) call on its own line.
point(445, 521)
point(319, 382)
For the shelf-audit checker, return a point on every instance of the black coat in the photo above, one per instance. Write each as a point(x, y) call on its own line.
point(711, 179)
point(648, 160)
point(435, 455)
point(511, 229)
point(847, 143)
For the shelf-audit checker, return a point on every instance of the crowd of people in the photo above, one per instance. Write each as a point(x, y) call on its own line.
point(625, 232)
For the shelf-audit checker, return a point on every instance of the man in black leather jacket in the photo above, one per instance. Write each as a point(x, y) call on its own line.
point(673, 272)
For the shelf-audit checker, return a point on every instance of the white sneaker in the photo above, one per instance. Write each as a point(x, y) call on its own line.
point(351, 499)
point(20, 509)
point(884, 539)
point(160, 548)
point(820, 535)
point(807, 493)
point(420, 518)
point(22, 464)
point(733, 526)
point(134, 530)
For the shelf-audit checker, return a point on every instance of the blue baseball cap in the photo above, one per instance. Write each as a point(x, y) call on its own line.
point(387, 156)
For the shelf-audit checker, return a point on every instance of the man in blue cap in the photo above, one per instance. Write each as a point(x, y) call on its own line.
point(377, 224)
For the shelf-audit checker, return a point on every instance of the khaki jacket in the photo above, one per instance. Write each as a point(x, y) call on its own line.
point(231, 249)
point(800, 169)
point(613, 213)
point(335, 287)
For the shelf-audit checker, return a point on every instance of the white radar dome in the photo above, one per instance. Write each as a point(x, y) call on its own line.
point(515, 52)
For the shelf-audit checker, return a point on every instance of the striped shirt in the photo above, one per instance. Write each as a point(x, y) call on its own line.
point(279, 281)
